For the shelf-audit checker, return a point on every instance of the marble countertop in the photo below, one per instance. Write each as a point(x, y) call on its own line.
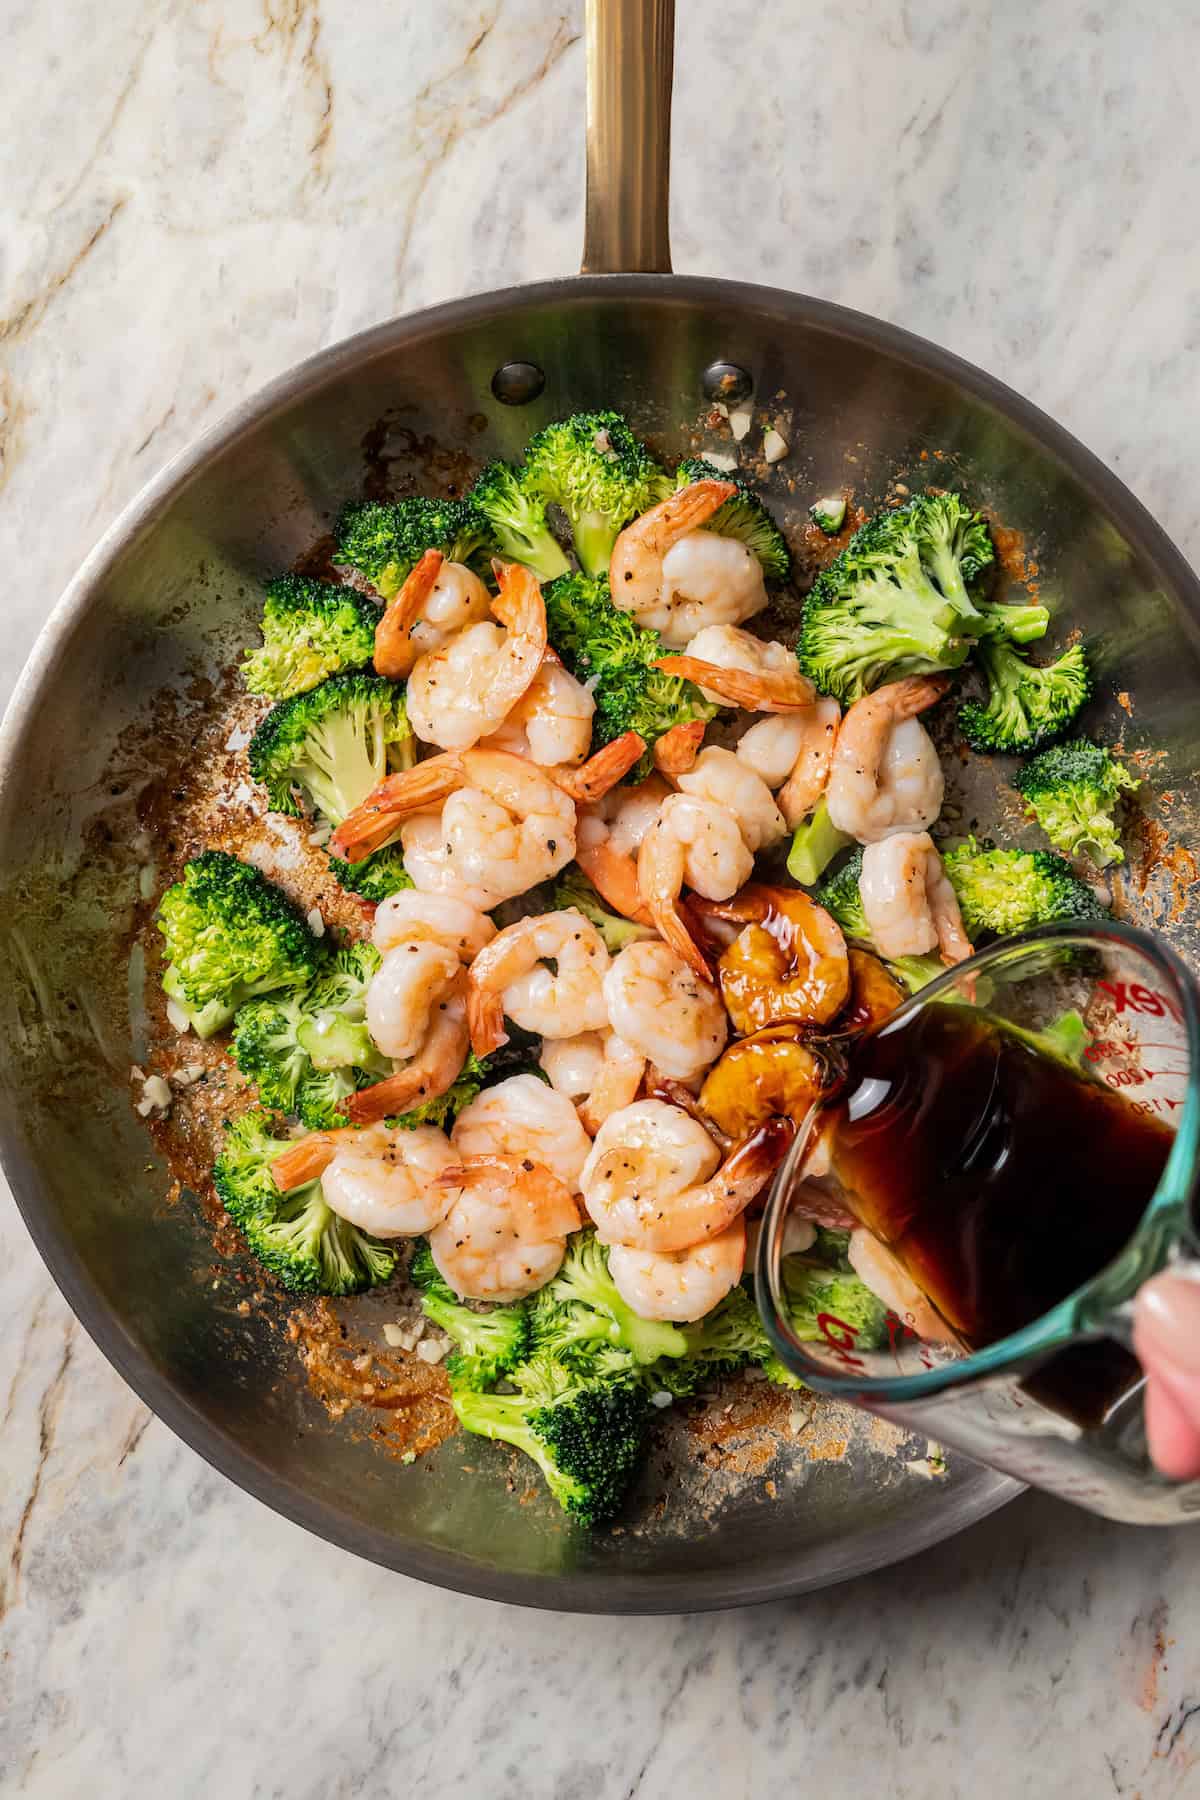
point(193, 197)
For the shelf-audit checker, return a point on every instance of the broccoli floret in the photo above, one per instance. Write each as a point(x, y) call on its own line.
point(1007, 890)
point(581, 1307)
point(720, 1343)
point(895, 601)
point(488, 1344)
point(1026, 706)
point(334, 743)
point(310, 1051)
point(815, 844)
point(384, 541)
point(585, 1435)
point(599, 473)
point(573, 889)
point(832, 1247)
point(1073, 791)
point(230, 934)
point(378, 875)
point(813, 1291)
point(829, 514)
point(311, 629)
point(1016, 624)
point(518, 521)
point(839, 895)
point(297, 1236)
point(743, 517)
point(603, 646)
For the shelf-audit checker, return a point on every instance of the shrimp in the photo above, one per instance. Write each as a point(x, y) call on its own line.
point(438, 600)
point(435, 1067)
point(385, 1181)
point(657, 1006)
point(509, 976)
point(523, 1117)
point(551, 723)
point(721, 777)
point(733, 667)
point(505, 1233)
point(403, 992)
point(794, 754)
point(677, 749)
point(601, 772)
point(465, 690)
point(500, 826)
point(676, 578)
point(411, 917)
point(610, 835)
point(696, 840)
point(886, 776)
point(654, 1179)
point(889, 1281)
point(909, 904)
point(598, 1070)
point(679, 1285)
point(788, 963)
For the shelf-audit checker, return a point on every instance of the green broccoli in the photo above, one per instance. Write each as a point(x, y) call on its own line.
point(517, 519)
point(813, 1292)
point(724, 1341)
point(584, 1433)
point(311, 629)
point(829, 514)
point(743, 517)
point(384, 541)
point(1073, 791)
point(574, 889)
point(308, 1052)
point(606, 648)
point(896, 600)
point(1003, 891)
point(378, 875)
point(229, 934)
point(839, 895)
point(1026, 706)
point(815, 843)
point(582, 1308)
point(599, 473)
point(297, 1236)
point(333, 743)
point(487, 1344)
point(1016, 624)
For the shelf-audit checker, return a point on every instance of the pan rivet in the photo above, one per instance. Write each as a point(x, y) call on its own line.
point(727, 381)
point(517, 383)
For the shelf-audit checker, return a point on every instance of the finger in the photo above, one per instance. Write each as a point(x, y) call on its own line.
point(1172, 1434)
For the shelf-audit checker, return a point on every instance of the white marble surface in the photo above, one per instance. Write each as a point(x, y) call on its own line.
point(192, 196)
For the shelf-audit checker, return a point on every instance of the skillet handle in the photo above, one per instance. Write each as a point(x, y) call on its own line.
point(630, 61)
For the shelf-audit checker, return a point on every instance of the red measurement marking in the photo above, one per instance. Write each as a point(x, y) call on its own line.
point(1132, 997)
point(840, 1337)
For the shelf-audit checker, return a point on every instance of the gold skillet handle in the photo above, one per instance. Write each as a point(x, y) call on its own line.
point(630, 60)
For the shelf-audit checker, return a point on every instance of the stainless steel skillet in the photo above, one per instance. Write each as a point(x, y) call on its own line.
point(161, 603)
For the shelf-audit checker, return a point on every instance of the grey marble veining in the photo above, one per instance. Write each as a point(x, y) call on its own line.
point(193, 197)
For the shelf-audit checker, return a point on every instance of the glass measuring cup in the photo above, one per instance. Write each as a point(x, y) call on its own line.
point(1016, 1403)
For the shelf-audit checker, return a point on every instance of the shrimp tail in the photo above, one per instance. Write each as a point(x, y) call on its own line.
point(757, 1157)
point(485, 1019)
point(304, 1161)
point(392, 800)
point(395, 652)
point(776, 692)
point(614, 878)
point(672, 928)
point(593, 779)
point(917, 693)
point(676, 750)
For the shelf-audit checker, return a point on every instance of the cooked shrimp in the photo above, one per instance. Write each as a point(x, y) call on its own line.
point(886, 776)
point(794, 754)
point(697, 841)
point(655, 1181)
point(610, 835)
point(909, 904)
point(502, 825)
point(403, 992)
point(598, 1070)
point(681, 1285)
point(465, 690)
point(411, 917)
point(522, 1117)
point(509, 976)
point(890, 1282)
point(719, 776)
point(735, 668)
point(551, 723)
point(677, 749)
point(385, 1181)
point(603, 771)
point(435, 1067)
point(635, 570)
point(657, 1006)
point(438, 600)
point(788, 963)
point(505, 1234)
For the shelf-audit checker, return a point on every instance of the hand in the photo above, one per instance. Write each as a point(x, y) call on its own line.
point(1166, 1336)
